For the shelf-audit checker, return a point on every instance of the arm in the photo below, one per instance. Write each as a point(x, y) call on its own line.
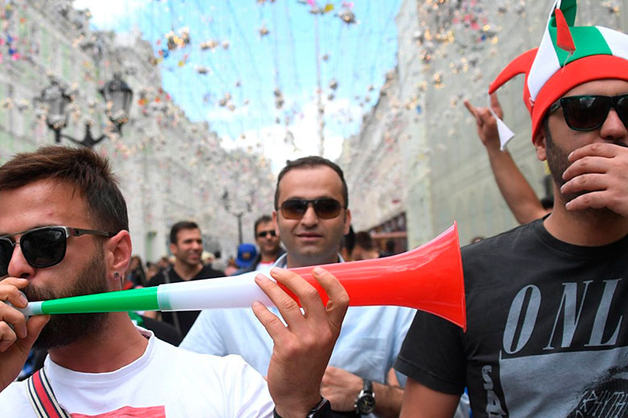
point(601, 170)
point(302, 349)
point(17, 335)
point(419, 401)
point(513, 186)
point(342, 389)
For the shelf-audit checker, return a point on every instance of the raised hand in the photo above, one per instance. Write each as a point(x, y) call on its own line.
point(486, 122)
point(302, 348)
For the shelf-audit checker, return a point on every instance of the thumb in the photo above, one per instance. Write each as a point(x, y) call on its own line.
point(33, 328)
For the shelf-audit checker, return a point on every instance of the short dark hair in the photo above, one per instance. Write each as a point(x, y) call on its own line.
point(174, 231)
point(311, 162)
point(348, 240)
point(364, 240)
point(88, 172)
point(261, 220)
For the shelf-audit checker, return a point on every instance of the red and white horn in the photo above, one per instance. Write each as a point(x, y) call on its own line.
point(428, 278)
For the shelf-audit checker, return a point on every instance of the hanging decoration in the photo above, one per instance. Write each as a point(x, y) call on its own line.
point(347, 16)
point(211, 44)
point(180, 41)
point(202, 69)
point(279, 101)
point(263, 31)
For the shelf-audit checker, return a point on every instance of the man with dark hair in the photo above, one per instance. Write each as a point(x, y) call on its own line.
point(364, 248)
point(347, 243)
point(186, 244)
point(313, 161)
point(64, 232)
point(546, 301)
point(311, 216)
point(268, 243)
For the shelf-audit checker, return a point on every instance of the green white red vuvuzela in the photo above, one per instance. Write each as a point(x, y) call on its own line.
point(224, 292)
point(568, 56)
point(428, 278)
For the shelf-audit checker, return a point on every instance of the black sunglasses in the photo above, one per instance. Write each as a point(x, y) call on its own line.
point(42, 247)
point(325, 208)
point(263, 234)
point(587, 113)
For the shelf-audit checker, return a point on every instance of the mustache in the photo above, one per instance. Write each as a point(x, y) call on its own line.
point(35, 294)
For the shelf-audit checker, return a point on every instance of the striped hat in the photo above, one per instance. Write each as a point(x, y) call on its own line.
point(567, 57)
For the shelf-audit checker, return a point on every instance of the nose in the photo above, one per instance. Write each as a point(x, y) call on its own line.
point(309, 217)
point(18, 266)
point(613, 128)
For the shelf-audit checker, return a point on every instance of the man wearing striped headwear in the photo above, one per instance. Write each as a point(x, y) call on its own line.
point(546, 332)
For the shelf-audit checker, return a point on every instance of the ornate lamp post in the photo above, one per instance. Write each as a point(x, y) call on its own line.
point(238, 213)
point(118, 98)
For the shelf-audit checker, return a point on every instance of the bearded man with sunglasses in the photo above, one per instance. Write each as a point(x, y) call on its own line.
point(546, 302)
point(311, 217)
point(64, 232)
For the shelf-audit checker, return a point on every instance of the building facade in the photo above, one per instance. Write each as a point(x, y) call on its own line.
point(169, 168)
point(450, 51)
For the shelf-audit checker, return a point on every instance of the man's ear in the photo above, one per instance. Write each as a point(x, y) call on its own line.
point(540, 143)
point(118, 251)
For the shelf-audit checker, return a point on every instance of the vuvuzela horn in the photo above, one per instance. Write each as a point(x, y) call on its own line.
point(428, 278)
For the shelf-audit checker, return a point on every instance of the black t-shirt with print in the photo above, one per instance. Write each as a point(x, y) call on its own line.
point(547, 334)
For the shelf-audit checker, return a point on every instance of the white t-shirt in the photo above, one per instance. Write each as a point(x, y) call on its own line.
point(165, 381)
point(264, 266)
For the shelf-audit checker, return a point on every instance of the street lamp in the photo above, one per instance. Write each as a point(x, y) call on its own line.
point(237, 213)
point(118, 98)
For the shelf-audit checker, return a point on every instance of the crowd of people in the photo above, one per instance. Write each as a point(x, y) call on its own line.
point(545, 301)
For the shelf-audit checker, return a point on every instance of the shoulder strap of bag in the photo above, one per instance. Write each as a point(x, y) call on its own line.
point(42, 397)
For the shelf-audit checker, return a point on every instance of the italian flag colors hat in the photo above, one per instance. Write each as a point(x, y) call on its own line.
point(567, 57)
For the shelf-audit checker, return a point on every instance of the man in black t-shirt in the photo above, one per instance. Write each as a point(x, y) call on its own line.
point(546, 302)
point(186, 244)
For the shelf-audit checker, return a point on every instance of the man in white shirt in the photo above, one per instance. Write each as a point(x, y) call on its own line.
point(64, 232)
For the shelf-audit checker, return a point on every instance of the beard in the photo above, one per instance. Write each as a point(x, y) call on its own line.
point(558, 162)
point(62, 330)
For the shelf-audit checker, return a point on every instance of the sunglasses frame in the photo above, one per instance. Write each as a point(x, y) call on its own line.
point(614, 101)
point(314, 202)
point(263, 234)
point(68, 232)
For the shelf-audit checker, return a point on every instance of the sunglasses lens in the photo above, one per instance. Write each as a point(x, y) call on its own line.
point(585, 113)
point(44, 247)
point(293, 209)
point(327, 208)
point(622, 109)
point(264, 234)
point(6, 251)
